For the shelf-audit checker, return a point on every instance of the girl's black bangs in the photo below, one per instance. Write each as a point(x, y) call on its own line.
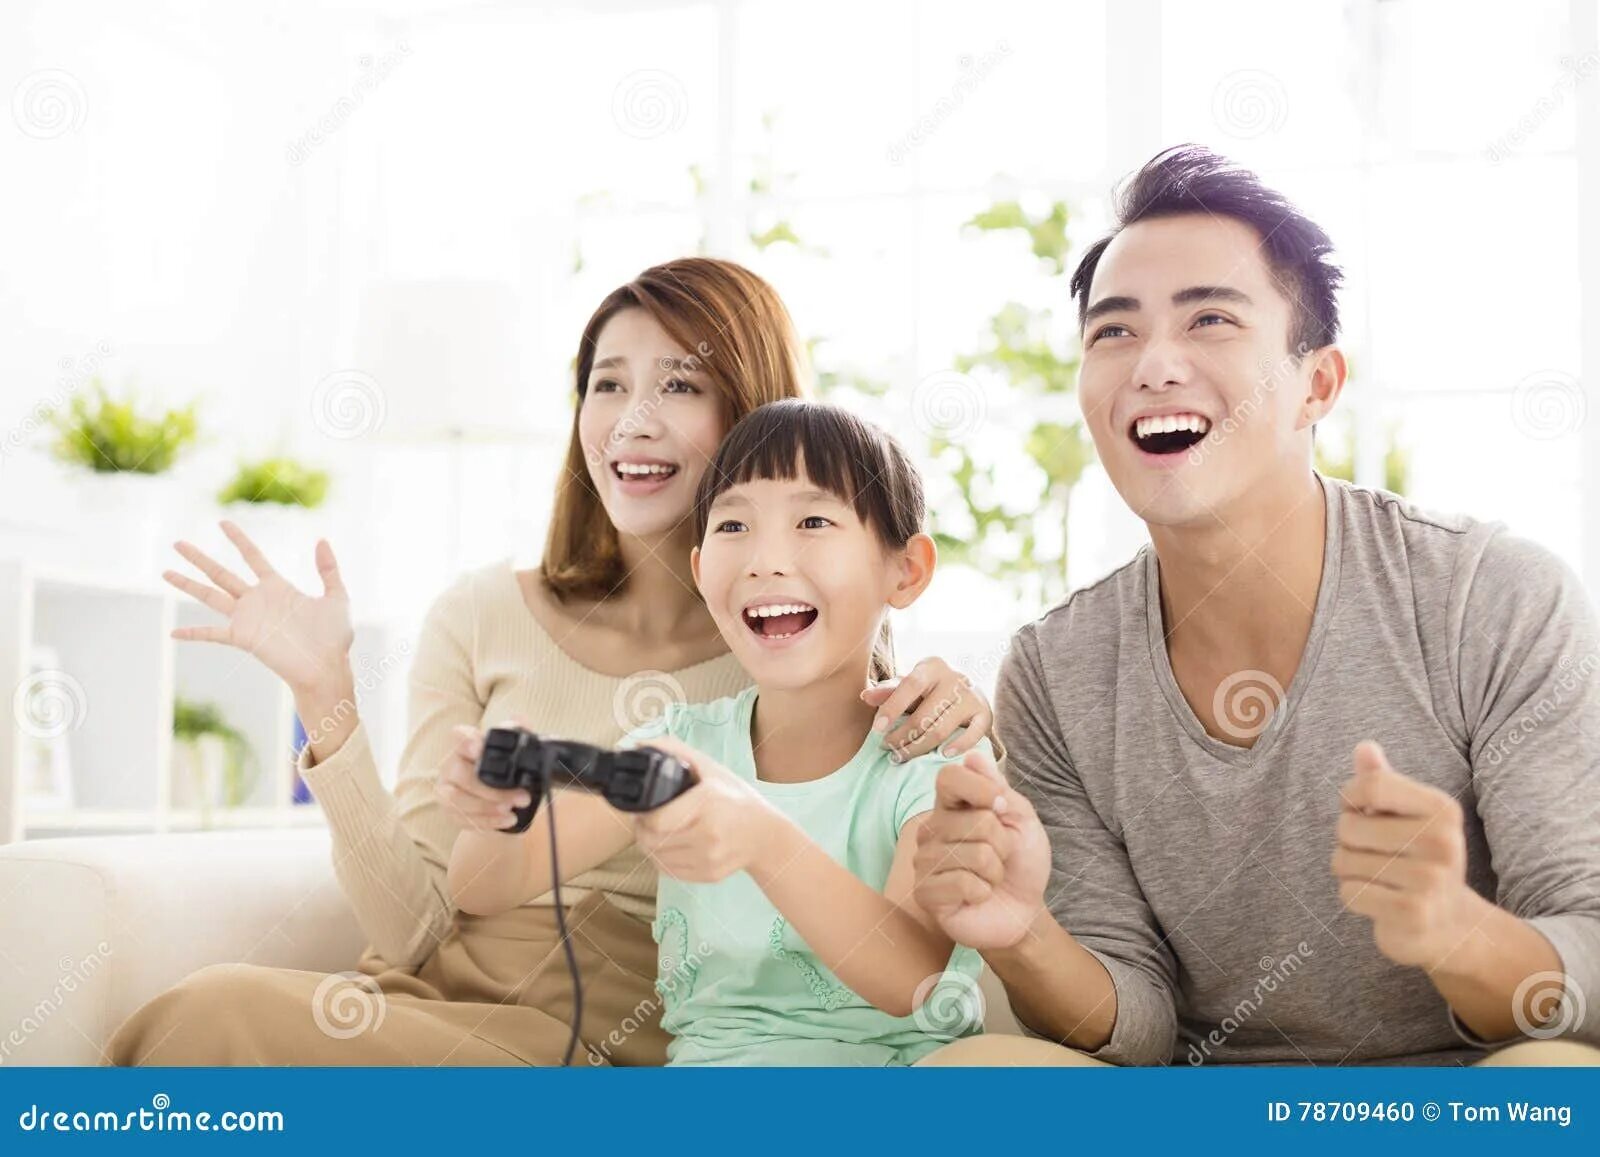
point(786, 440)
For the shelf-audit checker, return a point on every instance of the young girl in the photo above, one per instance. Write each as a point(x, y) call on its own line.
point(786, 928)
point(583, 646)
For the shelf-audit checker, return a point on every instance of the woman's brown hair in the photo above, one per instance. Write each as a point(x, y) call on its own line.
point(737, 332)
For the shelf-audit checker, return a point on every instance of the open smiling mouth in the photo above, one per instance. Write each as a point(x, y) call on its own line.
point(1169, 433)
point(779, 620)
point(643, 471)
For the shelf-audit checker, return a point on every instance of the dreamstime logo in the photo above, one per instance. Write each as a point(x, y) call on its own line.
point(948, 405)
point(644, 698)
point(1572, 676)
point(1555, 1001)
point(984, 667)
point(1573, 73)
point(633, 421)
point(929, 712)
point(374, 71)
point(673, 973)
point(369, 676)
point(348, 404)
point(1245, 702)
point(649, 103)
point(73, 973)
point(948, 1004)
point(347, 1004)
point(49, 104)
point(1570, 679)
point(987, 666)
point(973, 73)
point(1249, 104)
point(1273, 375)
point(75, 374)
point(1274, 973)
point(1548, 404)
point(48, 704)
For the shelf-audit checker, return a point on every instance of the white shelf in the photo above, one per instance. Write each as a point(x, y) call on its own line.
point(304, 815)
point(253, 701)
point(111, 645)
point(84, 820)
point(79, 820)
point(90, 582)
point(111, 636)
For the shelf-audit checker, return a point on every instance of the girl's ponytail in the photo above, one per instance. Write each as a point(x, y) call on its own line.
point(883, 654)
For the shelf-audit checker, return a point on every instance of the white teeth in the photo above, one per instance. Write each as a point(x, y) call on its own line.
point(1170, 424)
point(640, 469)
point(771, 609)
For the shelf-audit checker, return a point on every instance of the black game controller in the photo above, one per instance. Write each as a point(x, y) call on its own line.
point(639, 780)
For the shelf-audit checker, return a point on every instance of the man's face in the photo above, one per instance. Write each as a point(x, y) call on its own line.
point(1193, 398)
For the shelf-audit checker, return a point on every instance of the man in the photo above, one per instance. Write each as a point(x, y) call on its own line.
point(1313, 778)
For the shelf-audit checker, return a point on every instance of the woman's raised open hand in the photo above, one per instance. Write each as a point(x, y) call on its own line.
point(301, 638)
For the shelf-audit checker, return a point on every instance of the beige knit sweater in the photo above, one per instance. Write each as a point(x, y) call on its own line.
point(481, 658)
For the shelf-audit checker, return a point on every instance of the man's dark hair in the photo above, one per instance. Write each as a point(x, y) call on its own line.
point(1193, 179)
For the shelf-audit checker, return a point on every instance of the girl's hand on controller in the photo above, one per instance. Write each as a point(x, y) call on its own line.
point(471, 804)
point(718, 827)
point(920, 712)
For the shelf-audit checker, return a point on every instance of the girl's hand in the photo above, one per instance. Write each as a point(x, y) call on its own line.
point(303, 639)
point(471, 804)
point(922, 711)
point(718, 827)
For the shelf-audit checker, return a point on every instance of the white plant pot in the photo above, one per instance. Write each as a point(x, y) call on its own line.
point(200, 775)
point(287, 535)
point(128, 513)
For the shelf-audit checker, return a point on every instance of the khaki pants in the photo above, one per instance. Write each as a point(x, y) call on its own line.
point(496, 992)
point(1003, 1049)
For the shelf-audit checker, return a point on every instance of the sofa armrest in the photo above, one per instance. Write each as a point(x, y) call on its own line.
point(92, 928)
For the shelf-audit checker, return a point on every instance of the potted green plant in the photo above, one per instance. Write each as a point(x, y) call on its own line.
point(270, 498)
point(122, 452)
point(277, 481)
point(107, 435)
point(1031, 353)
point(1015, 535)
point(212, 764)
point(1335, 449)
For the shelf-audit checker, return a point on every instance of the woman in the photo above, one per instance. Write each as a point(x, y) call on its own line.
point(588, 646)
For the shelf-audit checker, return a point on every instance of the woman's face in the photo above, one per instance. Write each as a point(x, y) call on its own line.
point(650, 423)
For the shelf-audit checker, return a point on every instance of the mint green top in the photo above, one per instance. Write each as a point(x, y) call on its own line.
point(738, 985)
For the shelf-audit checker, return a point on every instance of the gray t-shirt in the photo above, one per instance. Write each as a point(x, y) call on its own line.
point(1198, 872)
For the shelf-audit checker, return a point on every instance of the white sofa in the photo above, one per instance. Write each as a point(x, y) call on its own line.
point(92, 928)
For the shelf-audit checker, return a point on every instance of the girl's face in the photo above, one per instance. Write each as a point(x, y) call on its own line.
point(650, 422)
point(798, 584)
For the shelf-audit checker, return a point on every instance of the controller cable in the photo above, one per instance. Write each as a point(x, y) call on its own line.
point(561, 926)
